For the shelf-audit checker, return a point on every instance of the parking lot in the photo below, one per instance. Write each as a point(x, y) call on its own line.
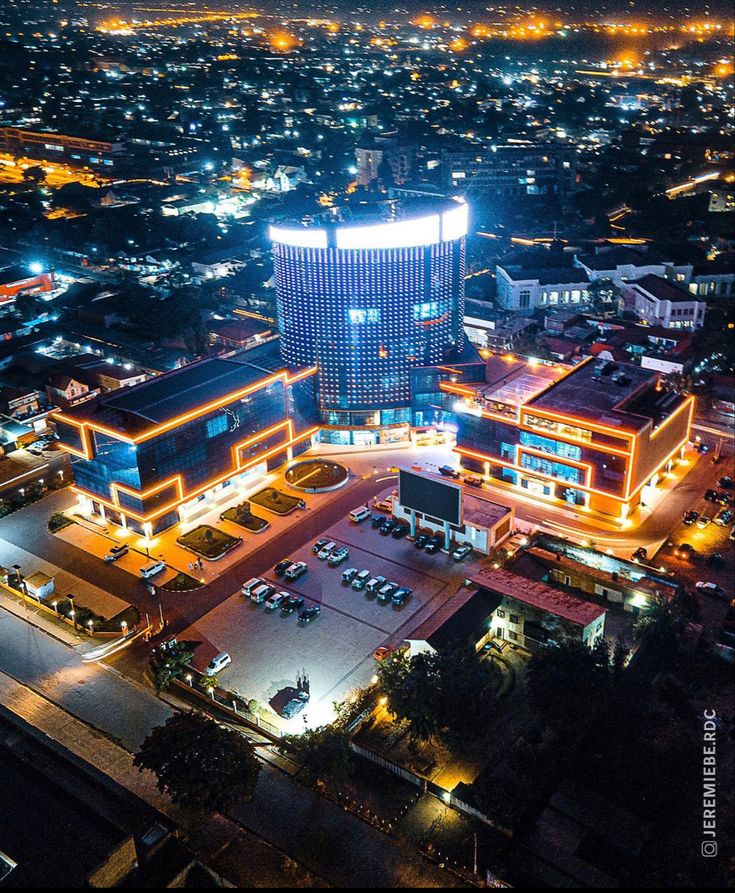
point(335, 651)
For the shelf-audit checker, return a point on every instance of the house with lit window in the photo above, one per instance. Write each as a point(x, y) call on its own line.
point(170, 448)
point(658, 302)
point(533, 614)
point(598, 435)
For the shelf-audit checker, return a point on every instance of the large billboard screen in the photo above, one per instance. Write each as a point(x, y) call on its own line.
point(430, 496)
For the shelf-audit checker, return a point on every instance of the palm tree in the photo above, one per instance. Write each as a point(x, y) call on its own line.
point(661, 624)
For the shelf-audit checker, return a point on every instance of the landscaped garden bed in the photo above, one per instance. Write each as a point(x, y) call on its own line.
point(209, 542)
point(277, 502)
point(182, 583)
point(243, 517)
point(58, 522)
point(316, 475)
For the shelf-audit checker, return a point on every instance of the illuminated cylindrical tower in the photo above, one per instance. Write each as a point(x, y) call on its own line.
point(368, 299)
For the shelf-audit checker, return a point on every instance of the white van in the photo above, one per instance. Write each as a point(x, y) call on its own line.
point(361, 514)
point(253, 582)
point(217, 663)
point(151, 569)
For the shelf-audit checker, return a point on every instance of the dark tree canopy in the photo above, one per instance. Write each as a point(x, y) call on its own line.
point(324, 753)
point(199, 763)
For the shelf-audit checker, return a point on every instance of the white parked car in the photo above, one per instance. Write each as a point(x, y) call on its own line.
point(217, 663)
point(711, 588)
point(275, 600)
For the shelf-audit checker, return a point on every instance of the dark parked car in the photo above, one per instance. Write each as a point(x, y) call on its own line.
point(399, 531)
point(319, 545)
point(291, 604)
point(400, 595)
point(293, 708)
point(421, 540)
point(387, 527)
point(377, 520)
point(725, 483)
point(710, 495)
point(309, 614)
point(690, 517)
point(723, 498)
point(448, 471)
point(434, 544)
point(282, 566)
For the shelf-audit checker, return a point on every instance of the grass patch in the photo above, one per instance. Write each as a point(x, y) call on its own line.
point(275, 501)
point(58, 522)
point(182, 583)
point(209, 542)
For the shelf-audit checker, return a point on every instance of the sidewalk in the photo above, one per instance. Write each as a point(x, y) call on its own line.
point(55, 628)
point(93, 597)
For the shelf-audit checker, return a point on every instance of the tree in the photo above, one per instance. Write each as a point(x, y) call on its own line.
point(661, 625)
point(169, 664)
point(34, 175)
point(570, 683)
point(448, 695)
point(199, 763)
point(323, 753)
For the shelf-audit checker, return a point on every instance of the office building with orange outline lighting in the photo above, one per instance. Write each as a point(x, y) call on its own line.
point(595, 436)
point(165, 450)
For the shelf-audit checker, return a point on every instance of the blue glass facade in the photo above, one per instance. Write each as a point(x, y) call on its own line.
point(181, 462)
point(366, 316)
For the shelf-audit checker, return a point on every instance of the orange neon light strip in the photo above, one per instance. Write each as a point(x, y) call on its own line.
point(282, 376)
point(687, 404)
point(177, 479)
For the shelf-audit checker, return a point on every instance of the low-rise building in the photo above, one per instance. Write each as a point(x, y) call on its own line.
point(658, 302)
point(16, 280)
point(526, 288)
point(594, 435)
point(621, 264)
point(532, 614)
point(166, 450)
point(484, 526)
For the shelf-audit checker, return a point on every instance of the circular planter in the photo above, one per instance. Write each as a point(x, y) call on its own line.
point(317, 475)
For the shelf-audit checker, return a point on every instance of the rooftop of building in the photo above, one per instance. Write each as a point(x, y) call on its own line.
point(16, 273)
point(374, 211)
point(609, 258)
point(479, 512)
point(562, 275)
point(161, 399)
point(537, 595)
point(457, 618)
point(617, 395)
point(663, 290)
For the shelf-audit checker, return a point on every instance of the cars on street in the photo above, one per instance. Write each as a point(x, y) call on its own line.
point(319, 545)
point(421, 540)
point(448, 472)
point(723, 518)
point(689, 518)
point(434, 545)
point(725, 482)
point(117, 552)
point(386, 591)
point(280, 569)
point(261, 593)
point(710, 495)
point(349, 574)
point(218, 663)
point(291, 603)
point(309, 614)
point(377, 520)
point(338, 555)
point(387, 526)
point(360, 580)
point(326, 551)
point(703, 521)
point(400, 595)
point(297, 569)
point(710, 588)
point(276, 600)
point(399, 531)
point(373, 585)
point(461, 552)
